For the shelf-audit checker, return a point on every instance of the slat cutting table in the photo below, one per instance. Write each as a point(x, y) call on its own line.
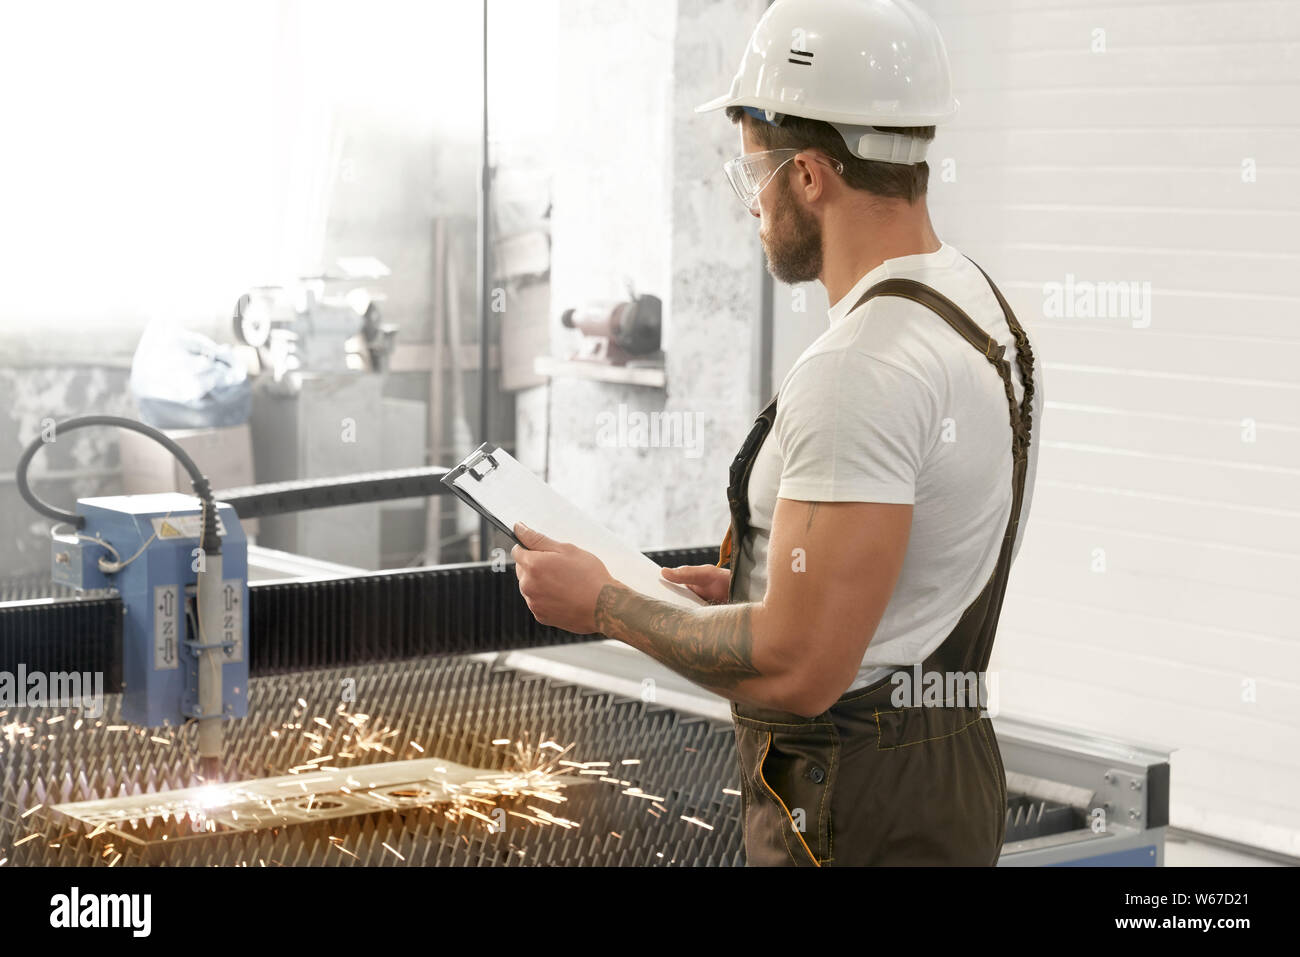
point(446, 664)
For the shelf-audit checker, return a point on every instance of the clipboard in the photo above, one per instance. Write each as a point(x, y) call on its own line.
point(493, 483)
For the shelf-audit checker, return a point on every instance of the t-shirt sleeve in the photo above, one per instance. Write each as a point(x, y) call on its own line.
point(853, 428)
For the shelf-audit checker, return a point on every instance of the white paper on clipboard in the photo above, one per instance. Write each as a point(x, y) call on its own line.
point(493, 483)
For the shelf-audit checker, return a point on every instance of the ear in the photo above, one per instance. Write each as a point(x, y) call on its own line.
point(810, 178)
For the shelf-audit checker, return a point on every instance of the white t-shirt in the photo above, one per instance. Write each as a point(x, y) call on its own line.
point(891, 404)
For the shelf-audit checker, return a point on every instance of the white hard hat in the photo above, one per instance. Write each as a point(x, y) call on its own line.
point(855, 64)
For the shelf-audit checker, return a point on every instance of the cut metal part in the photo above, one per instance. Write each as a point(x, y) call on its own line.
point(290, 799)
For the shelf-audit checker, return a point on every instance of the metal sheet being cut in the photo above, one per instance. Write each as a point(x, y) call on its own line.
point(299, 799)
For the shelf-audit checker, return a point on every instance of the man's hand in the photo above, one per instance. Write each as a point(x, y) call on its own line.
point(559, 581)
point(708, 581)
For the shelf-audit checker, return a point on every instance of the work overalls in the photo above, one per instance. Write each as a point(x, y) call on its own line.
point(871, 782)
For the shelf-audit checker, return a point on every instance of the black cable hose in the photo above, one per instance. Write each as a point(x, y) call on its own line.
point(209, 541)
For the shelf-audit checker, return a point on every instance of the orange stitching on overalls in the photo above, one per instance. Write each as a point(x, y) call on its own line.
point(831, 775)
point(1002, 786)
point(922, 740)
point(997, 766)
point(869, 689)
point(764, 725)
point(989, 752)
point(784, 836)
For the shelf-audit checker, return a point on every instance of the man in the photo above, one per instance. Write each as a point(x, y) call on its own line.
point(880, 499)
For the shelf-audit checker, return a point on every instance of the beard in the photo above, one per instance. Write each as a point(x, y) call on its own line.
point(793, 243)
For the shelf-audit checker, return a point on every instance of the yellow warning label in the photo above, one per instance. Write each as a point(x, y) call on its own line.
point(182, 526)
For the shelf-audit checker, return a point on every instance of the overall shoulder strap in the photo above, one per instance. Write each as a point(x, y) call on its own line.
point(969, 330)
point(989, 347)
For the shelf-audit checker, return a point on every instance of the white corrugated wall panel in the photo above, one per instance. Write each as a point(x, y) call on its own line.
point(1157, 593)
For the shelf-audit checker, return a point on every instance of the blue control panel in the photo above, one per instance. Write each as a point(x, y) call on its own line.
point(158, 590)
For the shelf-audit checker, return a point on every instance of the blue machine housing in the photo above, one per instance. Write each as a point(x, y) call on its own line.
point(159, 668)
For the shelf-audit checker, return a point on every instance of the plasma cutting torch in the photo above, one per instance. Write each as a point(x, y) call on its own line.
point(185, 607)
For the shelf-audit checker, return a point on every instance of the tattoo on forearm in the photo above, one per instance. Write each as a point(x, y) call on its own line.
point(710, 646)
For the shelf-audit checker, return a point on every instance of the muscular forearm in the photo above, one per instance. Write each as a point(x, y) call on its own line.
point(712, 646)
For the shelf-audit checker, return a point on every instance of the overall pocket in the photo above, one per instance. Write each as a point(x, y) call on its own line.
point(788, 772)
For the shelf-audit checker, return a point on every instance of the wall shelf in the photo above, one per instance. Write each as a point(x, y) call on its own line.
point(652, 376)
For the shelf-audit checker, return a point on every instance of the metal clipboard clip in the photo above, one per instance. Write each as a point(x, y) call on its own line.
point(480, 464)
point(477, 458)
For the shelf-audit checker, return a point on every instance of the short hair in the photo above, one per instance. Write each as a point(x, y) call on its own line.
point(889, 180)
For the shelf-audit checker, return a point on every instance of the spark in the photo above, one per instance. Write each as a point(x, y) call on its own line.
point(548, 816)
point(29, 837)
point(56, 720)
point(526, 817)
point(630, 761)
point(16, 729)
point(118, 727)
point(638, 793)
point(392, 851)
point(731, 791)
point(697, 821)
point(31, 810)
point(537, 771)
point(157, 740)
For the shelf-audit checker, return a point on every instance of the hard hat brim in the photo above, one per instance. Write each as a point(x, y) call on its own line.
point(717, 103)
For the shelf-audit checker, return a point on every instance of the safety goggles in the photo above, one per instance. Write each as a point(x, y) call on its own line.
point(750, 173)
